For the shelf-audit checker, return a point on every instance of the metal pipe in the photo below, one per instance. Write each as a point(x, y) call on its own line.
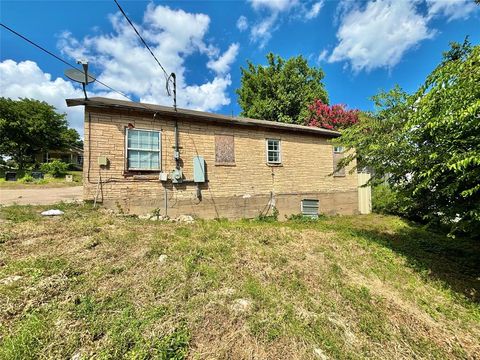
point(166, 200)
point(176, 154)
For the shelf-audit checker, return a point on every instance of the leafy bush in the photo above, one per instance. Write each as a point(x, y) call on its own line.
point(27, 179)
point(385, 200)
point(56, 168)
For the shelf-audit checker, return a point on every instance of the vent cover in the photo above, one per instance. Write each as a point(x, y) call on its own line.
point(310, 208)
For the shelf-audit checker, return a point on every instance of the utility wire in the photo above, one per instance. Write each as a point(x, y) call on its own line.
point(60, 59)
point(141, 38)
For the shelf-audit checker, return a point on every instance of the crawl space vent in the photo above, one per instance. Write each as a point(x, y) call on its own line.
point(310, 208)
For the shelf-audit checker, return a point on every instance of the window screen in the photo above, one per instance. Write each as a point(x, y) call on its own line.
point(143, 149)
point(224, 149)
point(274, 155)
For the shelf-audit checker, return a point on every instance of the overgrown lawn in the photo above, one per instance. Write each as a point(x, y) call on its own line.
point(91, 284)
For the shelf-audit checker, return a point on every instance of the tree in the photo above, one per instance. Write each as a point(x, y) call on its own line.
point(427, 145)
point(28, 126)
point(280, 91)
point(70, 137)
point(335, 117)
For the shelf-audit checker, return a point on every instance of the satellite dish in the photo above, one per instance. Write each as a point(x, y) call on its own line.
point(83, 77)
point(79, 76)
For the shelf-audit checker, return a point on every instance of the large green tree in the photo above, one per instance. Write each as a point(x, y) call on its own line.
point(28, 126)
point(280, 91)
point(427, 145)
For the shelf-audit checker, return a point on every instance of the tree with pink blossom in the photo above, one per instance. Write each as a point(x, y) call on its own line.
point(334, 117)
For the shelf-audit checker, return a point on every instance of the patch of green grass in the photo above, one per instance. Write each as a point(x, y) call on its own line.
point(19, 213)
point(36, 267)
point(122, 329)
point(27, 339)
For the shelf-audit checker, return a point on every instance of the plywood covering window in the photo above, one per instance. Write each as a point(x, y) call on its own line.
point(224, 149)
point(143, 150)
point(337, 157)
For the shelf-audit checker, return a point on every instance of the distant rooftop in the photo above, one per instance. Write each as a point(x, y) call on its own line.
point(101, 102)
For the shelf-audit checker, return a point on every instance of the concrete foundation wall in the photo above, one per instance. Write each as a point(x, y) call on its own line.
point(235, 207)
point(244, 189)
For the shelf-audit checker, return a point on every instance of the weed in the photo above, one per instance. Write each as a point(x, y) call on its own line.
point(273, 217)
point(18, 213)
point(300, 218)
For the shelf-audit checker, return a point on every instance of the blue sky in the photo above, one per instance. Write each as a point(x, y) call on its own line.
point(363, 47)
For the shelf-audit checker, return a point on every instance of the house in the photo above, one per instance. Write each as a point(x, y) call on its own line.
point(72, 155)
point(141, 157)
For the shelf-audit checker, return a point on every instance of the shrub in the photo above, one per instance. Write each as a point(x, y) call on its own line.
point(385, 200)
point(56, 168)
point(27, 179)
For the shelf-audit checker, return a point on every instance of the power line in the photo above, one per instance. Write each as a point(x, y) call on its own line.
point(168, 78)
point(60, 59)
point(141, 38)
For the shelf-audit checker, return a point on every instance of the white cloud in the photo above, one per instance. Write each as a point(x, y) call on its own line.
point(262, 31)
point(452, 9)
point(272, 12)
point(380, 34)
point(122, 61)
point(322, 56)
point(222, 64)
point(242, 23)
point(26, 80)
point(273, 5)
point(314, 10)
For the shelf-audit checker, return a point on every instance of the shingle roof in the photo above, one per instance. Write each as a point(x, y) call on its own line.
point(102, 102)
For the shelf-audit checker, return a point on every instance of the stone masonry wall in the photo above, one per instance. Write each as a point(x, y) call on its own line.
point(242, 190)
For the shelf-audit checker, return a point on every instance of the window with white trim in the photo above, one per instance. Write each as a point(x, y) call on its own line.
point(338, 155)
point(143, 149)
point(274, 151)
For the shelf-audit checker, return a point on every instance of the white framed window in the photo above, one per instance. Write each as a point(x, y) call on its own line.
point(338, 155)
point(274, 151)
point(143, 149)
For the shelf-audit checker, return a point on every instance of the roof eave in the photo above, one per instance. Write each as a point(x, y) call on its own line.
point(184, 113)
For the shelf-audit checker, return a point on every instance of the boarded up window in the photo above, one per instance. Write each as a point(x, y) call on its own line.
point(224, 149)
point(337, 157)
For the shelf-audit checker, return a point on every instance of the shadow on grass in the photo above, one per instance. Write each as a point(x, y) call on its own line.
point(456, 262)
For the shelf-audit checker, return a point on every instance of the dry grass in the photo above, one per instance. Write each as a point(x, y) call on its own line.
point(93, 285)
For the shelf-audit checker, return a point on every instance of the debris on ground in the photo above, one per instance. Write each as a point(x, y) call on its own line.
point(185, 219)
point(10, 279)
point(159, 218)
point(52, 212)
point(241, 305)
point(319, 354)
point(153, 217)
point(162, 258)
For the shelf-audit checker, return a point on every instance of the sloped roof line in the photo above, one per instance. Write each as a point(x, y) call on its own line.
point(102, 102)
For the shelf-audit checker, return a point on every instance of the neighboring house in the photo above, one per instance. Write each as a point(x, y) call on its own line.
point(73, 155)
point(141, 157)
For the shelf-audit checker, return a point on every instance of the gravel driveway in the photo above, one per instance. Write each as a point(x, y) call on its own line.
point(40, 196)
